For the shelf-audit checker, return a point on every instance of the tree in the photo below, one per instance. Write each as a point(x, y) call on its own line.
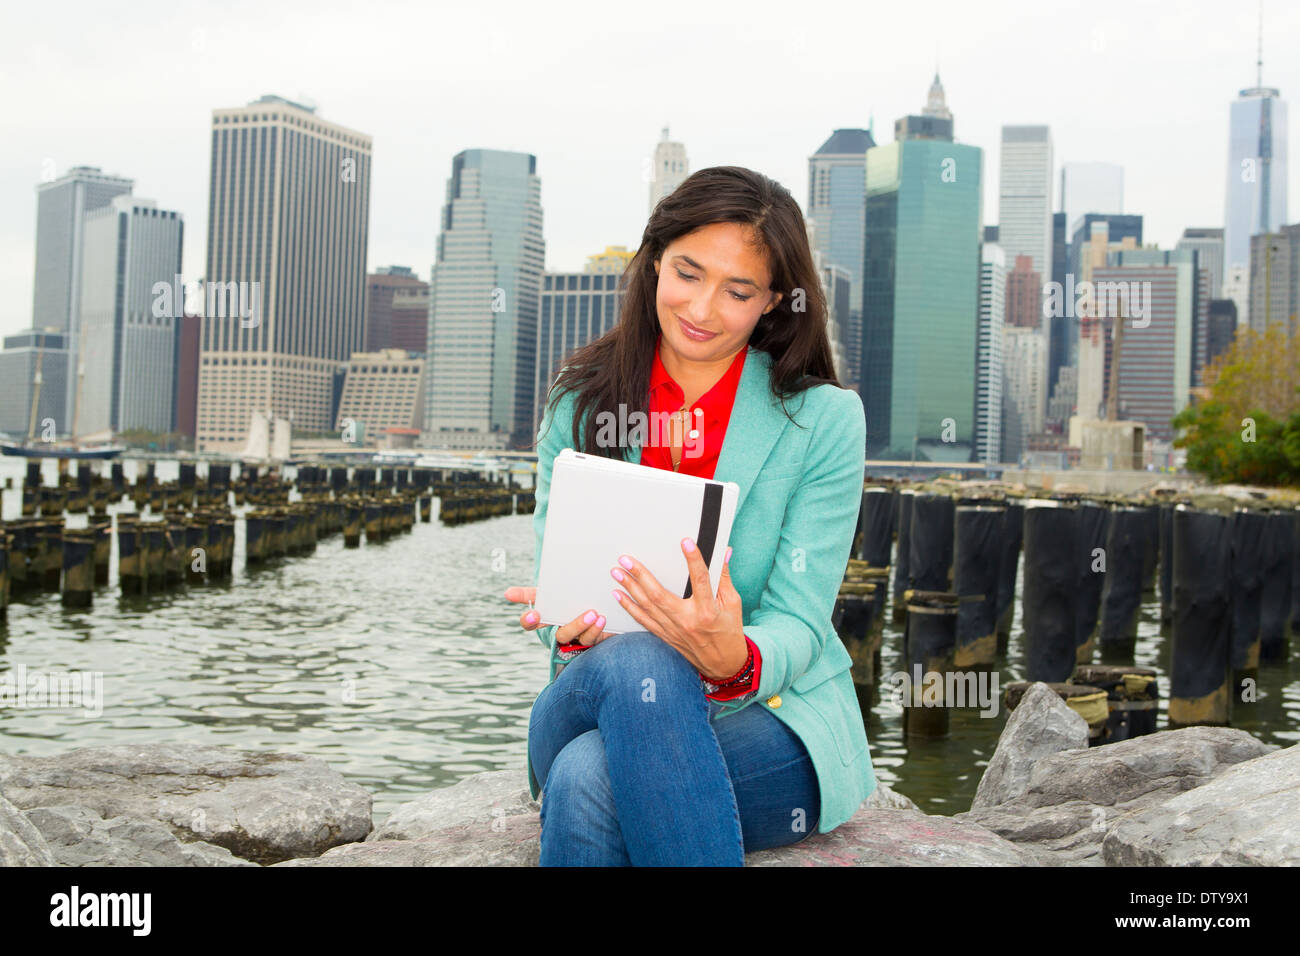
point(1248, 430)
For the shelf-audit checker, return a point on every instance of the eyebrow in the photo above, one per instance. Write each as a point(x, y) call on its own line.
point(692, 262)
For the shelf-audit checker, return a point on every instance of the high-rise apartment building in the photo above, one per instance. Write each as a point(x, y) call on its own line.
point(130, 319)
point(288, 225)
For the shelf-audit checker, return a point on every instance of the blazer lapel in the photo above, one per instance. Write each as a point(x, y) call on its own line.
point(756, 424)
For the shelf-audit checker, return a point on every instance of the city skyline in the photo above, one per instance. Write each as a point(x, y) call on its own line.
point(593, 174)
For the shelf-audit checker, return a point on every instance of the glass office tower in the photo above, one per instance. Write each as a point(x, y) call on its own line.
point(920, 303)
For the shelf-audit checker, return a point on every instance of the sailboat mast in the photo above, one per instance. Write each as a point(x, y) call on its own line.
point(36, 390)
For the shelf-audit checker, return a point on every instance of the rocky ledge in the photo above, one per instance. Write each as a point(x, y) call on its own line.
point(1196, 796)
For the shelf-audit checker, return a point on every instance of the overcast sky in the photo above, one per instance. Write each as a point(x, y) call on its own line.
point(586, 87)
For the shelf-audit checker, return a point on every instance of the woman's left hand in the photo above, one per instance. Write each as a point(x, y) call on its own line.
point(706, 629)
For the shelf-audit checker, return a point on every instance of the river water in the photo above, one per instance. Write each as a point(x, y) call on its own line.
point(401, 665)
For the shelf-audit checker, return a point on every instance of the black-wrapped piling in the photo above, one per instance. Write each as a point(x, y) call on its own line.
point(1121, 596)
point(1013, 529)
point(1199, 690)
point(1051, 583)
point(978, 549)
point(1093, 525)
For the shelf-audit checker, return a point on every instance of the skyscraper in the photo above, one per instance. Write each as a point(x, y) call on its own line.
point(1275, 279)
point(1090, 187)
point(484, 298)
point(668, 170)
point(934, 122)
point(61, 206)
point(382, 308)
point(130, 334)
point(1163, 299)
point(288, 223)
point(576, 308)
point(837, 201)
point(1209, 245)
point(988, 361)
point(1025, 195)
point(1256, 199)
point(29, 357)
point(921, 298)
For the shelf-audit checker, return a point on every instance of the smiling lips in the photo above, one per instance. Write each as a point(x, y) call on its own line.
point(698, 335)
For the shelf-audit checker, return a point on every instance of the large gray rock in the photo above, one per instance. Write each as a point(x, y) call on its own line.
point(261, 807)
point(897, 838)
point(1040, 725)
point(479, 799)
point(882, 798)
point(1247, 816)
point(1075, 797)
point(78, 836)
point(489, 820)
point(21, 844)
point(505, 841)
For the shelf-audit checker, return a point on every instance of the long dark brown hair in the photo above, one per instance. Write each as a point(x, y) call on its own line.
point(615, 369)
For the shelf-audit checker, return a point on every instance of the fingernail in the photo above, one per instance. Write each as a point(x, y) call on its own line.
point(688, 544)
point(589, 617)
point(728, 557)
point(618, 575)
point(618, 596)
point(530, 617)
point(600, 621)
point(626, 562)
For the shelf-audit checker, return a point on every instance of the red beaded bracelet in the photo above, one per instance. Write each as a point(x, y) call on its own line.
point(742, 676)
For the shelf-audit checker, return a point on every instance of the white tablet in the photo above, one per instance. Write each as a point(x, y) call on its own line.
point(600, 509)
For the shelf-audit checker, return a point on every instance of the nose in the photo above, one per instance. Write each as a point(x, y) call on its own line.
point(697, 311)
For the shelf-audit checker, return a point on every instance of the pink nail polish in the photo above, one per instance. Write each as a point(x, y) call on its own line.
point(618, 575)
point(600, 621)
point(688, 544)
point(626, 562)
point(618, 596)
point(589, 617)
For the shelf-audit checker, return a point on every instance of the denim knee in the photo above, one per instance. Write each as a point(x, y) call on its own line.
point(579, 818)
point(642, 654)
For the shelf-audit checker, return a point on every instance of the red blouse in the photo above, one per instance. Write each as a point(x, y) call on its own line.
point(701, 446)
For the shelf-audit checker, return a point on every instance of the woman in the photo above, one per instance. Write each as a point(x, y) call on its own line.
point(730, 723)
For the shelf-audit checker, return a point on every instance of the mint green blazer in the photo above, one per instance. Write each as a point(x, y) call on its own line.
point(800, 492)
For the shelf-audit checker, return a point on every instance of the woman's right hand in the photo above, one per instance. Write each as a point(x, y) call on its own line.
point(580, 629)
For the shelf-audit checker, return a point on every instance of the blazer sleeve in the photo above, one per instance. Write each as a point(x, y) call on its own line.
point(792, 622)
point(554, 435)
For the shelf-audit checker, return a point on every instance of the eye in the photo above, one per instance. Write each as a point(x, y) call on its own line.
point(741, 298)
point(683, 275)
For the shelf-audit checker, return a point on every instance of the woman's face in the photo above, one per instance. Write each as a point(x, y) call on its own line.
point(715, 280)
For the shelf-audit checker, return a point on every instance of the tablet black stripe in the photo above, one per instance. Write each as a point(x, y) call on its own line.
point(710, 515)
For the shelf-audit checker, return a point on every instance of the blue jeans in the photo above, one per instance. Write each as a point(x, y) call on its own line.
point(636, 771)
